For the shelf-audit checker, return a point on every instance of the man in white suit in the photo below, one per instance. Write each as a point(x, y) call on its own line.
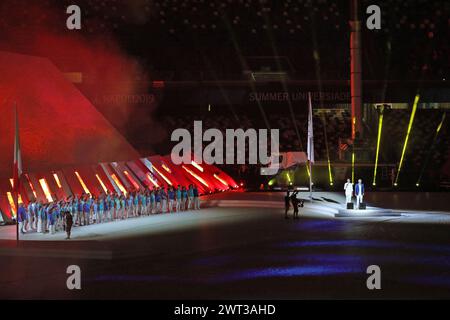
point(348, 187)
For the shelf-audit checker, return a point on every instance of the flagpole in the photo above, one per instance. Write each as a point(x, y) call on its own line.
point(310, 181)
point(16, 180)
point(16, 203)
point(310, 144)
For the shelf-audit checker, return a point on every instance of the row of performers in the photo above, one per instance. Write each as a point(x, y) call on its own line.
point(86, 209)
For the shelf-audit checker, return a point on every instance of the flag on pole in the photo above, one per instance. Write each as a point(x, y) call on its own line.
point(310, 150)
point(17, 170)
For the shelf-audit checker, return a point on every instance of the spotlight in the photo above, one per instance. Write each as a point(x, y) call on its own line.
point(430, 150)
point(353, 166)
point(380, 128)
point(417, 185)
point(410, 125)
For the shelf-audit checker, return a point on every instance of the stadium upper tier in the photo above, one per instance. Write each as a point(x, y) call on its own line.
point(198, 39)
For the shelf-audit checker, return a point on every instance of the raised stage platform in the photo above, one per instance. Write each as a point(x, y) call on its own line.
point(369, 212)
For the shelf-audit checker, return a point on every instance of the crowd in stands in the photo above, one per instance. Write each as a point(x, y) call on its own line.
point(332, 128)
point(335, 122)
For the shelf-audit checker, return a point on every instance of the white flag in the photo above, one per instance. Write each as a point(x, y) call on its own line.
point(310, 150)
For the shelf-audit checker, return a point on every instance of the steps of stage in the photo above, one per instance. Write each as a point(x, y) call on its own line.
point(369, 212)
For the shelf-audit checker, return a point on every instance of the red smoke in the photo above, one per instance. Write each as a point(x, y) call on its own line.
point(111, 78)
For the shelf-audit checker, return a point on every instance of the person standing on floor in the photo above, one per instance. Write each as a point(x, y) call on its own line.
point(152, 201)
point(348, 187)
point(171, 197)
point(296, 203)
point(86, 211)
point(359, 193)
point(287, 201)
point(69, 223)
point(190, 193)
point(164, 199)
point(143, 203)
point(22, 218)
point(96, 216)
point(101, 209)
point(130, 211)
point(39, 210)
point(178, 199)
point(80, 215)
point(136, 204)
point(148, 201)
point(123, 204)
point(51, 219)
point(118, 209)
point(158, 200)
point(75, 209)
point(31, 216)
point(196, 198)
point(184, 197)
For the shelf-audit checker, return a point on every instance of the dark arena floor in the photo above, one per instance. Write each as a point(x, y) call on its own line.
point(239, 246)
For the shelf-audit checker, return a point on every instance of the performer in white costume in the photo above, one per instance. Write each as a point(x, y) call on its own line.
point(348, 187)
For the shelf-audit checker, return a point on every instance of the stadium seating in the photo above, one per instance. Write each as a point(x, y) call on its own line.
point(337, 125)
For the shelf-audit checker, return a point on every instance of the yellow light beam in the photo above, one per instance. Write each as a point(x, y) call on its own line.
point(119, 184)
point(195, 164)
point(438, 129)
point(380, 128)
point(85, 188)
point(11, 204)
point(57, 180)
point(46, 189)
point(196, 176)
point(101, 183)
point(329, 172)
point(134, 183)
point(31, 186)
point(12, 186)
point(353, 127)
point(353, 166)
point(166, 168)
point(411, 121)
point(441, 123)
point(155, 183)
point(288, 177)
point(220, 179)
point(162, 175)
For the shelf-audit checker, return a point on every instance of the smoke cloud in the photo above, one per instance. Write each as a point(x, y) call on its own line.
point(112, 80)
